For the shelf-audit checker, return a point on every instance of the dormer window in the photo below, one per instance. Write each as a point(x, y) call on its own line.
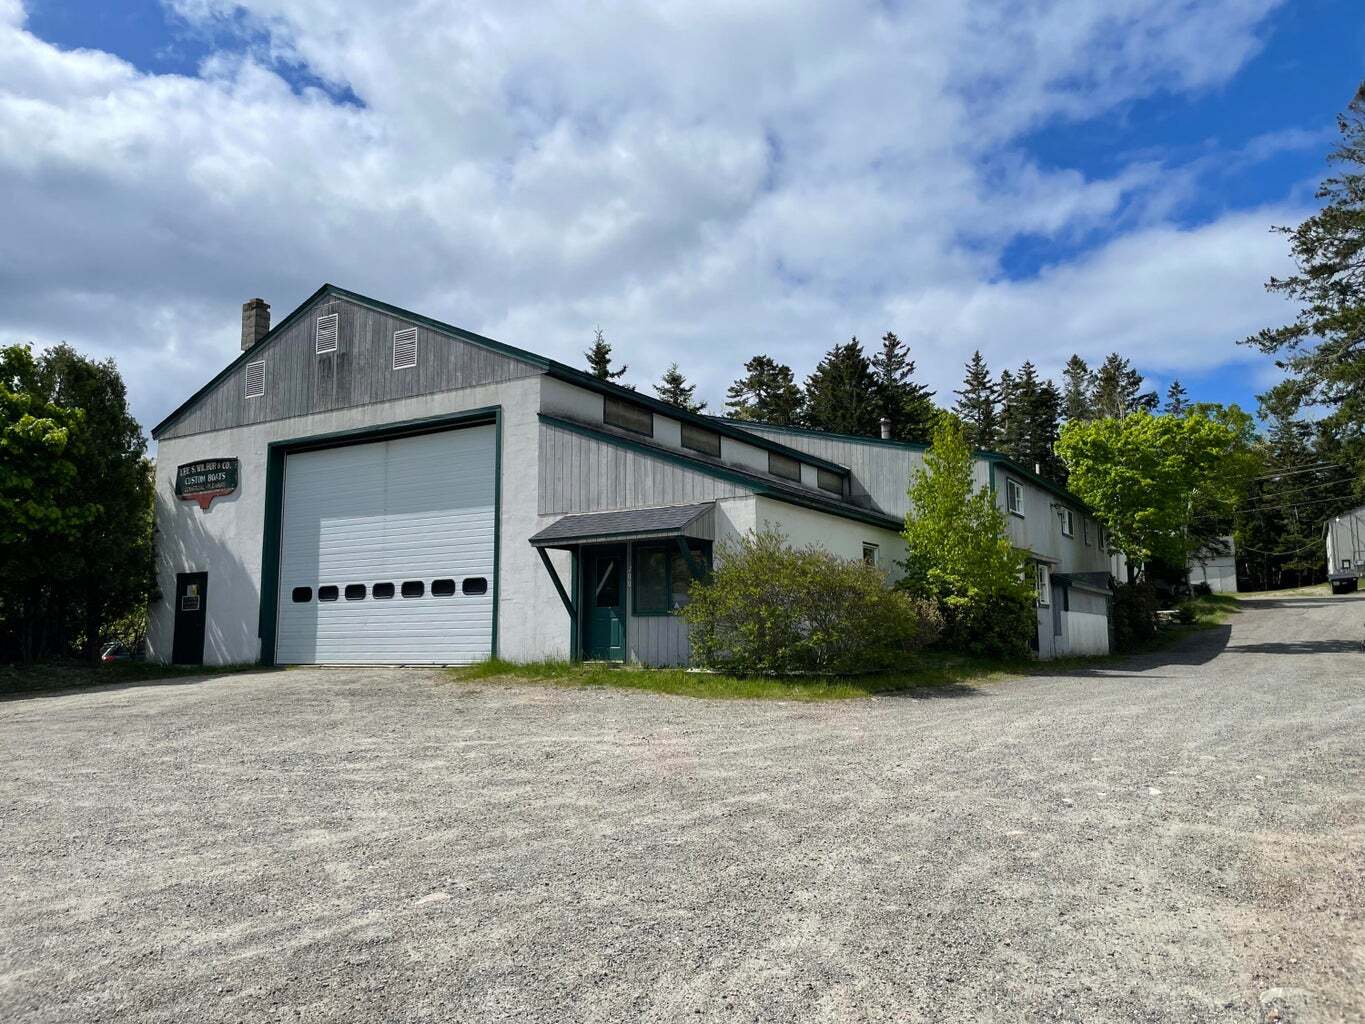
point(699, 439)
point(827, 480)
point(784, 466)
point(627, 416)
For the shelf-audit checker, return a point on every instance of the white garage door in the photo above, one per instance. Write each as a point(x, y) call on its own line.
point(387, 552)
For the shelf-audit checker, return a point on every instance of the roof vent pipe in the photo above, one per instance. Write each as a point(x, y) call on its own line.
point(886, 428)
point(255, 322)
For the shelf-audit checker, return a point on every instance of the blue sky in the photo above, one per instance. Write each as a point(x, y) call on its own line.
point(705, 182)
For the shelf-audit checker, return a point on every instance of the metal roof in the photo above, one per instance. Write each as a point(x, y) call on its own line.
point(629, 524)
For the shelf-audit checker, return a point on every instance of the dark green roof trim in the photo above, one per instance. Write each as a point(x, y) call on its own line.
point(752, 481)
point(328, 291)
point(876, 442)
point(996, 459)
point(982, 453)
point(558, 370)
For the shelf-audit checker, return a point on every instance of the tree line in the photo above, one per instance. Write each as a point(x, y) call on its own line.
point(1189, 472)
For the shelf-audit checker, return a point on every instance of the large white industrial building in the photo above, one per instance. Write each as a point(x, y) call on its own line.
point(367, 485)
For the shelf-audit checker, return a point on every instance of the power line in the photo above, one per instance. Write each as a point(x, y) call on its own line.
point(1291, 507)
point(1305, 469)
point(1305, 487)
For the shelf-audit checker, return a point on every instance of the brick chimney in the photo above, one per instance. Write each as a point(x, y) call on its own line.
point(255, 322)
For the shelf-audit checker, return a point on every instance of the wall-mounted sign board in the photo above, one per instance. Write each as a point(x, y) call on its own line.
point(205, 480)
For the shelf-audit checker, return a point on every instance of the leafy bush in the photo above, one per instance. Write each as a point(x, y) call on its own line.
point(1134, 615)
point(990, 626)
point(770, 609)
point(960, 557)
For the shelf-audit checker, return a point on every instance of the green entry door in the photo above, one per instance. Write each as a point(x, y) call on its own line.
point(606, 601)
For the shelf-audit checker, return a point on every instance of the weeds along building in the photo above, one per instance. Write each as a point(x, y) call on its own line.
point(363, 484)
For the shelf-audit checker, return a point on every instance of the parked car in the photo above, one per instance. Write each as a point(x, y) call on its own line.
point(119, 652)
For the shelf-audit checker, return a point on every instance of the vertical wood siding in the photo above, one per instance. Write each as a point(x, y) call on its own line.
point(360, 372)
point(657, 640)
point(582, 474)
point(880, 473)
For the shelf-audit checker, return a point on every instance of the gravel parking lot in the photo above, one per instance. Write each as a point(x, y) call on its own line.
point(1176, 838)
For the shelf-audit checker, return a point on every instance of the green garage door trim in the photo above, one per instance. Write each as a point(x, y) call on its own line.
point(274, 502)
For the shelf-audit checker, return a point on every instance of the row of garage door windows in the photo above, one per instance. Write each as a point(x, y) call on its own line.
point(474, 586)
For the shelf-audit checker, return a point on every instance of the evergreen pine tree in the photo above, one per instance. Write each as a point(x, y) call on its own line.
point(908, 405)
point(767, 393)
point(978, 404)
point(674, 389)
point(599, 358)
point(1009, 399)
point(1323, 349)
point(1118, 389)
point(1177, 399)
point(840, 396)
point(1078, 383)
point(1045, 417)
point(1031, 422)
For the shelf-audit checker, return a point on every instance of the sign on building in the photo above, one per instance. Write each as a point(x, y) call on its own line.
point(205, 480)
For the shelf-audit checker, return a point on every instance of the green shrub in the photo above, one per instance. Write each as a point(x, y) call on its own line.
point(990, 626)
point(1134, 615)
point(770, 609)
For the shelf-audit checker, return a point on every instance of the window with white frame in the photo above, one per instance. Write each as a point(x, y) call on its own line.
point(870, 554)
point(1044, 585)
point(1068, 519)
point(1014, 496)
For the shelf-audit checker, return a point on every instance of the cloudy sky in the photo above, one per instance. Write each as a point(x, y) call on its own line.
point(704, 180)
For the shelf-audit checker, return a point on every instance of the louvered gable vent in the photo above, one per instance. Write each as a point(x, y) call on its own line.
point(327, 333)
point(255, 379)
point(405, 348)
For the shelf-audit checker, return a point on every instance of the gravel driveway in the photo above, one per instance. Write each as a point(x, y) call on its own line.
point(1177, 838)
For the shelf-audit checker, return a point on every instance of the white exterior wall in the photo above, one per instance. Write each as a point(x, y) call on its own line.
point(1086, 624)
point(841, 537)
point(1218, 571)
point(226, 541)
point(1346, 543)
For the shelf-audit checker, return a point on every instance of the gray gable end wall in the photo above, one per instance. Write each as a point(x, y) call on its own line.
point(298, 381)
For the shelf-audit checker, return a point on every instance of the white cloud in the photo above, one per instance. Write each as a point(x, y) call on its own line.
point(1172, 300)
point(705, 180)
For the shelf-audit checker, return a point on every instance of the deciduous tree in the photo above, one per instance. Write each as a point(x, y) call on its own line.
point(959, 554)
point(1147, 477)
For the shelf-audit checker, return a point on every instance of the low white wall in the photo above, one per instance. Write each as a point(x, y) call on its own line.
point(1086, 632)
point(839, 536)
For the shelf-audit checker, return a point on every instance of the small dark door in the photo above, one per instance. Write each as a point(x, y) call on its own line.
point(606, 601)
point(191, 602)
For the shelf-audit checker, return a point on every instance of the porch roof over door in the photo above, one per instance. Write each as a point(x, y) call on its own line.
point(696, 522)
